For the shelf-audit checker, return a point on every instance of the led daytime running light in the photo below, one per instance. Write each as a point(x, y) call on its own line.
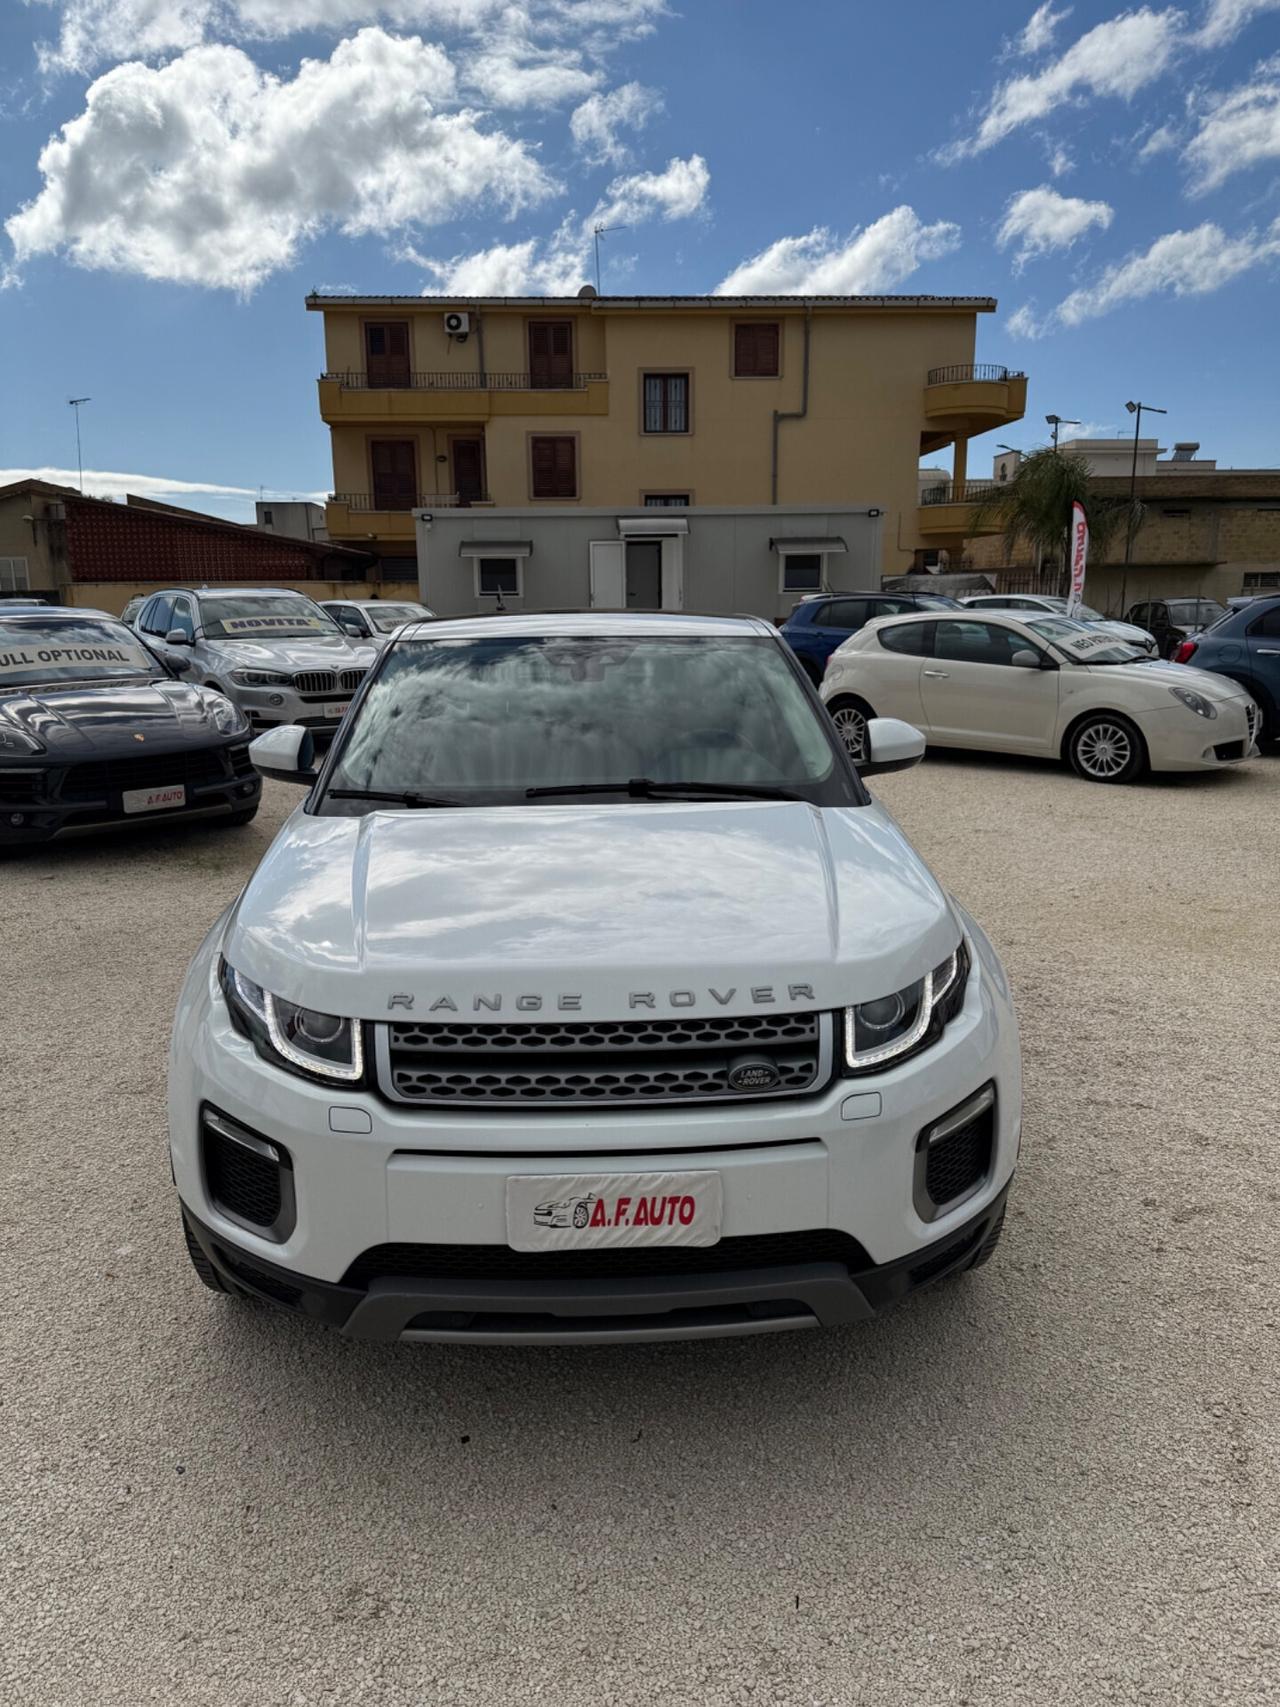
point(900, 1045)
point(315, 1063)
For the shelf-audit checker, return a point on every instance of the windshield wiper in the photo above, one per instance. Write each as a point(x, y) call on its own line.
point(645, 788)
point(404, 798)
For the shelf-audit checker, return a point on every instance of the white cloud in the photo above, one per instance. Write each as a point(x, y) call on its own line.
point(596, 123)
point(1181, 263)
point(1022, 323)
point(674, 193)
point(1041, 27)
point(96, 32)
point(210, 171)
point(561, 264)
point(1040, 220)
point(1242, 129)
point(1061, 161)
point(1225, 19)
point(514, 74)
point(868, 262)
point(1116, 58)
point(102, 483)
point(1161, 140)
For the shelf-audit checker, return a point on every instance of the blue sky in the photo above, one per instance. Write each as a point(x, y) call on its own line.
point(175, 175)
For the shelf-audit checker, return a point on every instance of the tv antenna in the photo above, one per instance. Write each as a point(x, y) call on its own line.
point(597, 232)
point(74, 403)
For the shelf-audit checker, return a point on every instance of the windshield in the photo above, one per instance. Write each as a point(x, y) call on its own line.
point(483, 720)
point(1194, 612)
point(386, 617)
point(938, 601)
point(282, 618)
point(83, 650)
point(1083, 644)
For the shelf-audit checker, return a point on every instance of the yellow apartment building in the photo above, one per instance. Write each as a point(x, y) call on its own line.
point(678, 452)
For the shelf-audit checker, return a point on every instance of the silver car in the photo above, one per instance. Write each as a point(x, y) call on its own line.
point(375, 620)
point(275, 653)
point(1053, 606)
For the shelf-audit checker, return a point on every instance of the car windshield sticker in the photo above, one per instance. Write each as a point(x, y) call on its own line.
point(35, 658)
point(265, 624)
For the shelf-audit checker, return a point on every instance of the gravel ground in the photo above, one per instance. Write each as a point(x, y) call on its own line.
point(1053, 1481)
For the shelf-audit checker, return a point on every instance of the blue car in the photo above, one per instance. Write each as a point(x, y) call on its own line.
point(1245, 645)
point(823, 621)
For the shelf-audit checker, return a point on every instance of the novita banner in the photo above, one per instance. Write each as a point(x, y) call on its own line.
point(1079, 554)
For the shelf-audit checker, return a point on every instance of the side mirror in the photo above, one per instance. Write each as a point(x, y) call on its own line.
point(180, 666)
point(286, 754)
point(353, 629)
point(892, 745)
point(177, 637)
point(1029, 659)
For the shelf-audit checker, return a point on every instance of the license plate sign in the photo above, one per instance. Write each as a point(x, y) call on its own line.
point(569, 1212)
point(336, 708)
point(154, 799)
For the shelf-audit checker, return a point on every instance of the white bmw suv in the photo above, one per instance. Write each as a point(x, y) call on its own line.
point(588, 995)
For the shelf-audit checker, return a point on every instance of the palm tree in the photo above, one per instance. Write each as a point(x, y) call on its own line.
point(1035, 506)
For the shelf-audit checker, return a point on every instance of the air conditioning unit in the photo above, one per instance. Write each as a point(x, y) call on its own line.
point(457, 325)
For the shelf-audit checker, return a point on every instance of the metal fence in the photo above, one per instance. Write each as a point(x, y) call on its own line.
point(385, 502)
point(972, 370)
point(456, 381)
point(958, 491)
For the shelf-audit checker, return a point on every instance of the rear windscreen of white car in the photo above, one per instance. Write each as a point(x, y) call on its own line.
point(485, 719)
point(70, 651)
point(263, 619)
point(387, 617)
point(1083, 644)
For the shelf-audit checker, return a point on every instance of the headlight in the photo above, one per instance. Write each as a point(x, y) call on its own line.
point(227, 715)
point(912, 1018)
point(18, 743)
point(323, 1046)
point(261, 679)
point(1195, 702)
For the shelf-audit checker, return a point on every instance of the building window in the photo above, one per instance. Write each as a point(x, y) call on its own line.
point(666, 500)
point(756, 348)
point(550, 354)
point(268, 518)
point(498, 577)
point(802, 572)
point(386, 353)
point(394, 466)
point(554, 466)
point(666, 403)
point(15, 577)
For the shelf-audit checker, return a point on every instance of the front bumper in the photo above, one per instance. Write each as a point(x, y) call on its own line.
point(368, 1174)
point(1178, 740)
point(269, 708)
point(28, 817)
point(728, 1300)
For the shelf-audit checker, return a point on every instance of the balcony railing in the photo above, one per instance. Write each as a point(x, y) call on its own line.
point(958, 491)
point(455, 381)
point(972, 370)
point(385, 502)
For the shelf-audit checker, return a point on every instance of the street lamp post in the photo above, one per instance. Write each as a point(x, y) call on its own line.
point(1056, 421)
point(1135, 409)
point(75, 403)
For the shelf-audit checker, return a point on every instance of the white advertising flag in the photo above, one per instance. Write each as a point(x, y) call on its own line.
point(1079, 554)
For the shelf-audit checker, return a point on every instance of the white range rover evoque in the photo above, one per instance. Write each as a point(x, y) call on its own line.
point(588, 995)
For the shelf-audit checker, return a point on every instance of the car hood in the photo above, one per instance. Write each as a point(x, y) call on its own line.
point(1129, 630)
point(326, 652)
point(364, 916)
point(1159, 673)
point(82, 722)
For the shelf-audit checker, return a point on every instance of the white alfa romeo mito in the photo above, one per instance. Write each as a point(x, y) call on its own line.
point(1043, 685)
point(588, 995)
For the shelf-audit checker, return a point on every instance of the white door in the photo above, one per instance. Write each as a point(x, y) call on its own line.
point(673, 571)
point(974, 696)
point(608, 574)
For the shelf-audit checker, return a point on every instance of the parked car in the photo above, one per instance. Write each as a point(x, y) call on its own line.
point(1127, 631)
point(823, 621)
point(95, 730)
point(1172, 620)
point(590, 912)
point(1244, 646)
point(374, 620)
point(1044, 685)
point(129, 614)
point(280, 657)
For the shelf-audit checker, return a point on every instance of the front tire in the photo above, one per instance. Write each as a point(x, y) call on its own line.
point(1106, 747)
point(851, 717)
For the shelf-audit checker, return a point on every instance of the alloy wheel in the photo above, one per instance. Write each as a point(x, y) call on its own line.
point(1104, 750)
point(851, 726)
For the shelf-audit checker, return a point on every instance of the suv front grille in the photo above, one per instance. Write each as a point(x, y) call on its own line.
point(192, 766)
point(350, 680)
point(315, 681)
point(632, 1061)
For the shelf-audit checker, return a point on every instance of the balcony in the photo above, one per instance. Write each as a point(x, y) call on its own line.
point(456, 396)
point(970, 398)
point(364, 515)
point(947, 509)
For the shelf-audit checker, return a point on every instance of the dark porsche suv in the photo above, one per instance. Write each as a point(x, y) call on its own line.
point(96, 730)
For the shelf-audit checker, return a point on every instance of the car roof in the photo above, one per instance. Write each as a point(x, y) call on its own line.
point(237, 592)
point(606, 623)
point(42, 613)
point(951, 616)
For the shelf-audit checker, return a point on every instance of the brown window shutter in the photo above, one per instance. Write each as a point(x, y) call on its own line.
point(550, 354)
point(555, 467)
point(394, 465)
point(755, 349)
